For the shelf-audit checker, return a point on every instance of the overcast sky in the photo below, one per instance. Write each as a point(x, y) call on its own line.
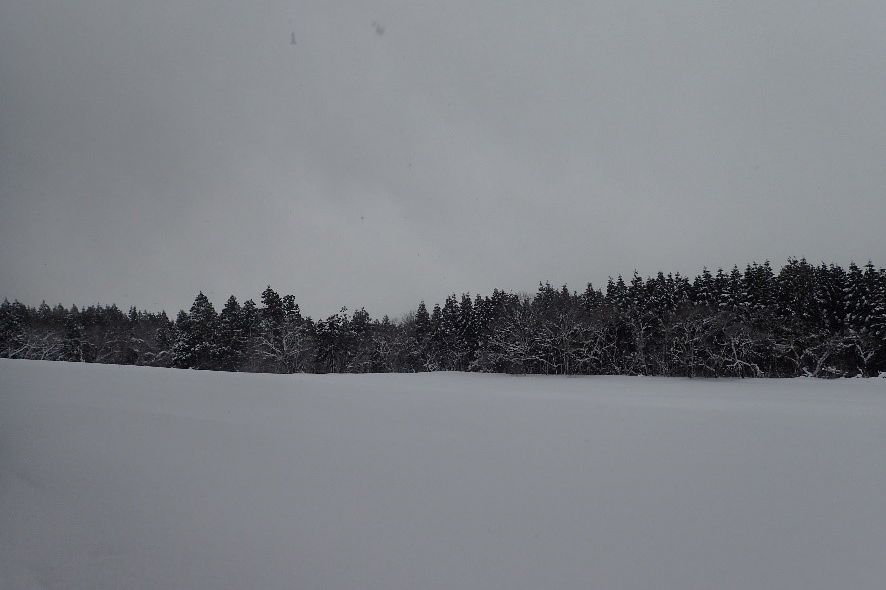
point(403, 150)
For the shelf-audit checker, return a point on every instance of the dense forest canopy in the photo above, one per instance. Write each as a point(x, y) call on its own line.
point(823, 321)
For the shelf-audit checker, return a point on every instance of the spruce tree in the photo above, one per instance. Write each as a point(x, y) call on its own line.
point(12, 330)
point(855, 299)
point(436, 339)
point(290, 308)
point(467, 334)
point(272, 307)
point(195, 347)
point(164, 339)
point(422, 325)
point(73, 343)
point(703, 292)
point(231, 340)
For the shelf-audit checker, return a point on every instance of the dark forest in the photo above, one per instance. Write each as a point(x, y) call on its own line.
point(803, 320)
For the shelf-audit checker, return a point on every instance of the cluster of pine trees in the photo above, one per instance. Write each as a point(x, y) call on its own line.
point(822, 321)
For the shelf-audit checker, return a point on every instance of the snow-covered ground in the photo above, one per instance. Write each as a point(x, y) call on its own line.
point(129, 477)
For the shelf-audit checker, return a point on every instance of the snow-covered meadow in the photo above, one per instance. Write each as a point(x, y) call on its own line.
point(130, 477)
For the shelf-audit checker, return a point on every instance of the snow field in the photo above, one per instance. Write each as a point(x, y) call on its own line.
point(131, 477)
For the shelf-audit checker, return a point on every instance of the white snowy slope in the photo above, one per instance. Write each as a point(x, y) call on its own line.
point(128, 477)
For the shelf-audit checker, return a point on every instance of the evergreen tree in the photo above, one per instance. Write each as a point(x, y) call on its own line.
point(195, 347)
point(720, 295)
point(736, 297)
point(703, 288)
point(12, 329)
point(270, 336)
point(759, 287)
point(250, 329)
point(830, 282)
point(616, 292)
point(73, 344)
point(422, 325)
point(592, 299)
point(231, 341)
point(164, 340)
point(467, 333)
point(272, 308)
point(290, 308)
point(855, 298)
point(44, 314)
point(436, 340)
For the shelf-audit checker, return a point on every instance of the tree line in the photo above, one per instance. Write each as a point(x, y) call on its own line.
point(804, 320)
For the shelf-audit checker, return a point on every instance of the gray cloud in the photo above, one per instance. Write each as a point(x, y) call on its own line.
point(148, 150)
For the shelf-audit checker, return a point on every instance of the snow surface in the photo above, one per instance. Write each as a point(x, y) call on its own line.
point(130, 477)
